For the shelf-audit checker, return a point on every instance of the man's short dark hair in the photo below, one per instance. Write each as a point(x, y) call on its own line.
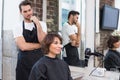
point(24, 3)
point(73, 13)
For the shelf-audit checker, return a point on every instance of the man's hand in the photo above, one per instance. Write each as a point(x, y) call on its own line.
point(78, 24)
point(75, 43)
point(34, 19)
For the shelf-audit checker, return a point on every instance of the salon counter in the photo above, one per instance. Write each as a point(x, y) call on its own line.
point(84, 74)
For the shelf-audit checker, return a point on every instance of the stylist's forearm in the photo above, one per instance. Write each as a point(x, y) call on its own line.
point(40, 32)
point(79, 32)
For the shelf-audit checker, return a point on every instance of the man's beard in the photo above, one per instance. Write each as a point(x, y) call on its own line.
point(74, 22)
point(28, 19)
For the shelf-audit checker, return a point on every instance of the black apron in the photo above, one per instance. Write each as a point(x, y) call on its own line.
point(73, 56)
point(26, 59)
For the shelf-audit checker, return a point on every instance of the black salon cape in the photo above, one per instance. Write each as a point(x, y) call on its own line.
point(50, 69)
point(112, 60)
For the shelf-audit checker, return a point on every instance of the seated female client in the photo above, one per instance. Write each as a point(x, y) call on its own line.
point(50, 67)
point(112, 58)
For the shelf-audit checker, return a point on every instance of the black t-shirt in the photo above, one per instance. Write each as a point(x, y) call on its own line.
point(50, 69)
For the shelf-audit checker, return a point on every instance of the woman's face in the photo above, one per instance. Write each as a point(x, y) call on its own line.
point(55, 47)
point(117, 44)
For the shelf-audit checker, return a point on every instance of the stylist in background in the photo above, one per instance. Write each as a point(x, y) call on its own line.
point(28, 36)
point(112, 58)
point(71, 38)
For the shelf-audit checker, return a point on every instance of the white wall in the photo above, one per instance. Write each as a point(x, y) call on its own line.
point(11, 14)
point(90, 28)
point(117, 5)
point(10, 19)
point(1, 5)
point(90, 23)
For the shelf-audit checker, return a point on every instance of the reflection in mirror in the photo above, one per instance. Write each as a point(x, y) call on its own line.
point(112, 58)
point(77, 51)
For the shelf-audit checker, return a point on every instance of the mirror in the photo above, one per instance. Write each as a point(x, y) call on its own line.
point(64, 8)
